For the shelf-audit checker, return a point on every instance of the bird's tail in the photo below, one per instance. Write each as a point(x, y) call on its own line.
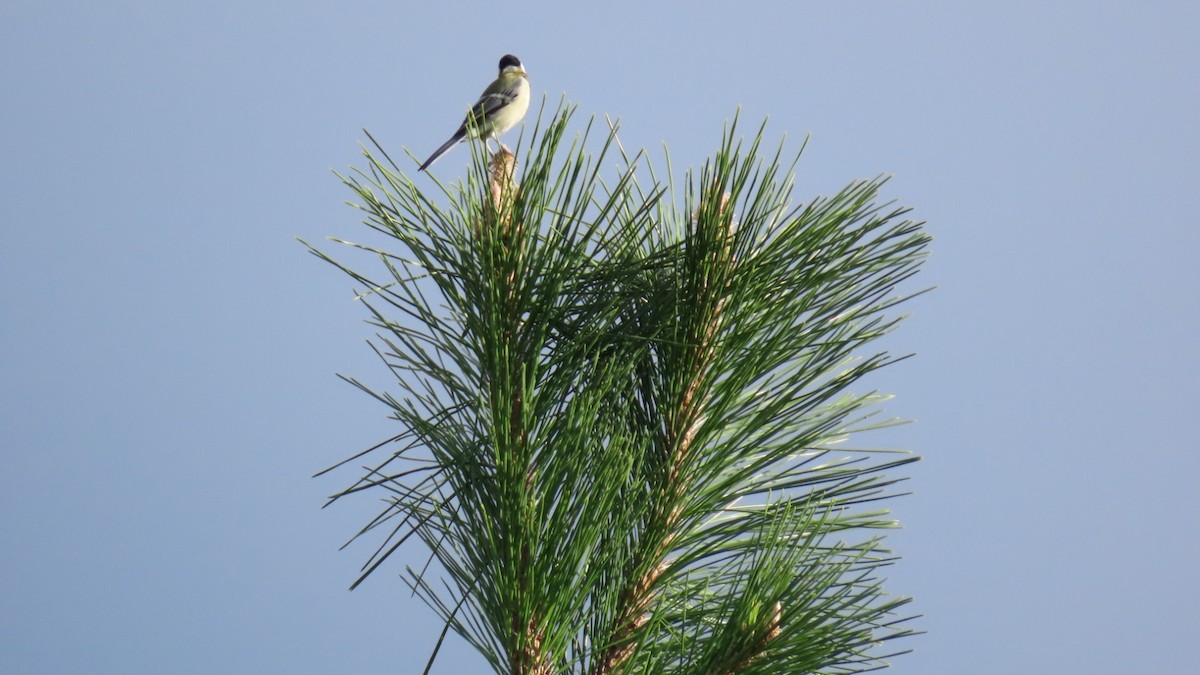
point(456, 138)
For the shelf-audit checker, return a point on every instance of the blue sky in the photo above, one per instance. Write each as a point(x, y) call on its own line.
point(167, 383)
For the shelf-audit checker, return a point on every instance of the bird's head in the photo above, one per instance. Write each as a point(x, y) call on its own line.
point(511, 64)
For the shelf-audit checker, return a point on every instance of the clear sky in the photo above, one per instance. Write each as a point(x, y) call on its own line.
point(167, 380)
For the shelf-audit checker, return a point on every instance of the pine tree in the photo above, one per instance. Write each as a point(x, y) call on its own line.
point(622, 403)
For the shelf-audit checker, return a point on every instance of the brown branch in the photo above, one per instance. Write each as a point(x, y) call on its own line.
point(526, 656)
point(680, 438)
point(504, 193)
point(529, 659)
point(767, 633)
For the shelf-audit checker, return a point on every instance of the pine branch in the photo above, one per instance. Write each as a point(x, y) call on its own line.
point(621, 418)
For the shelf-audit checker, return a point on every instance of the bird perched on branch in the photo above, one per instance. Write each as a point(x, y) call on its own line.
point(499, 108)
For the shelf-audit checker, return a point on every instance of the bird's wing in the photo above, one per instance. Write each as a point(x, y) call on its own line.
point(494, 98)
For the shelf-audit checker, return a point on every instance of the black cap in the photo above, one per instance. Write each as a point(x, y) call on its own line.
point(509, 61)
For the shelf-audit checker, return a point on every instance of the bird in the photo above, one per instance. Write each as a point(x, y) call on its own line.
point(500, 107)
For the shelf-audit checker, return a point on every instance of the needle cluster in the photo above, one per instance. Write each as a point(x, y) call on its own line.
point(623, 404)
